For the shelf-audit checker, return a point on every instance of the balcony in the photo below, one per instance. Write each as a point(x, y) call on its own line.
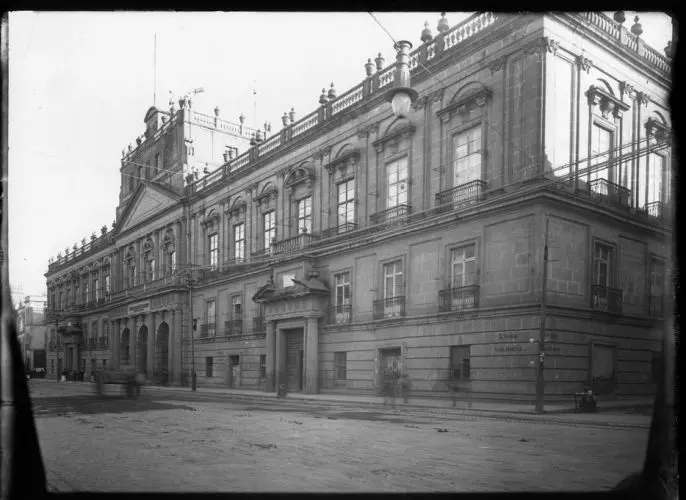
point(392, 307)
point(606, 299)
point(656, 210)
point(294, 244)
point(341, 313)
point(207, 330)
point(397, 215)
point(656, 306)
point(233, 327)
point(339, 230)
point(458, 299)
point(103, 342)
point(604, 191)
point(460, 197)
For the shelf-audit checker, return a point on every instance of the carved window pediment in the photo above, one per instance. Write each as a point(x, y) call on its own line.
point(657, 130)
point(350, 158)
point(608, 105)
point(237, 210)
point(267, 195)
point(464, 104)
point(211, 219)
point(299, 175)
point(394, 136)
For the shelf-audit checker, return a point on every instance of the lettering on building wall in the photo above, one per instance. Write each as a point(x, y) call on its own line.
point(551, 348)
point(508, 336)
point(508, 348)
point(139, 308)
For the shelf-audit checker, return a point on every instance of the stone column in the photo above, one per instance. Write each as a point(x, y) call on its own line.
point(312, 356)
point(220, 239)
point(169, 316)
point(150, 362)
point(133, 333)
point(116, 354)
point(250, 225)
point(270, 341)
point(280, 358)
point(178, 343)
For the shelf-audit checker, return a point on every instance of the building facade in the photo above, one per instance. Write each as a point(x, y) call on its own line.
point(32, 332)
point(353, 240)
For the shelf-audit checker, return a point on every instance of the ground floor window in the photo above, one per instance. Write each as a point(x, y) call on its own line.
point(208, 366)
point(263, 365)
point(104, 363)
point(341, 361)
point(460, 368)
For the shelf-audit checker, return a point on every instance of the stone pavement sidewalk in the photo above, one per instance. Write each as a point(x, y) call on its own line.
point(610, 412)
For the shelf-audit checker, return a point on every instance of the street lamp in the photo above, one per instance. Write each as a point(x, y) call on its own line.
point(401, 96)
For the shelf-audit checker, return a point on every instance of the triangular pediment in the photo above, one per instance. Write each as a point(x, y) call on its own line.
point(148, 201)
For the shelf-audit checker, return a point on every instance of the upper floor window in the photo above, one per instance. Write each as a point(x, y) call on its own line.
point(107, 284)
point(269, 228)
point(603, 262)
point(96, 289)
point(656, 170)
point(346, 203)
point(396, 183)
point(86, 296)
point(467, 156)
point(236, 307)
point(463, 266)
point(239, 242)
point(210, 316)
point(601, 143)
point(343, 297)
point(214, 249)
point(393, 280)
point(305, 215)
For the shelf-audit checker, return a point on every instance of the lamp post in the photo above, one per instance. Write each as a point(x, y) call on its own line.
point(401, 96)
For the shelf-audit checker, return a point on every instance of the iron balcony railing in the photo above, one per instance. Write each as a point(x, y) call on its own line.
point(458, 299)
point(606, 299)
point(103, 342)
point(392, 307)
point(656, 306)
point(295, 243)
point(656, 210)
point(399, 214)
point(462, 196)
point(341, 229)
point(341, 313)
point(234, 326)
point(207, 330)
point(608, 192)
point(258, 324)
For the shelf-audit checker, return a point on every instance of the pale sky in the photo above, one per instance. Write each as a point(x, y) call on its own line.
point(80, 84)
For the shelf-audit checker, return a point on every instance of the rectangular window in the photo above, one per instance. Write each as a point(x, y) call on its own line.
point(236, 308)
point(656, 168)
point(467, 156)
point(603, 265)
point(396, 183)
point(463, 266)
point(601, 144)
point(214, 249)
point(394, 304)
point(263, 365)
point(341, 361)
point(209, 365)
point(305, 215)
point(239, 242)
point(346, 204)
point(172, 261)
point(343, 297)
point(459, 362)
point(269, 228)
point(96, 289)
point(86, 296)
point(107, 284)
point(104, 364)
point(210, 312)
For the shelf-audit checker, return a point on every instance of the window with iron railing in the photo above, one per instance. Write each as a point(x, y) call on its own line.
point(269, 229)
point(467, 156)
point(346, 205)
point(342, 298)
point(214, 250)
point(304, 211)
point(239, 242)
point(601, 145)
point(393, 288)
point(210, 318)
point(396, 183)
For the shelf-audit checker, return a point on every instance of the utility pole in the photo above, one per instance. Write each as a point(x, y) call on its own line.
point(541, 334)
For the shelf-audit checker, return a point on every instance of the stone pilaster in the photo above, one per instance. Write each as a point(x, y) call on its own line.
point(270, 341)
point(312, 356)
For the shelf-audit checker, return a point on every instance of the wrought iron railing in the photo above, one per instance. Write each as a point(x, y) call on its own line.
point(608, 192)
point(458, 299)
point(656, 209)
point(656, 306)
point(399, 214)
point(294, 244)
point(258, 324)
point(344, 228)
point(462, 196)
point(207, 330)
point(341, 313)
point(234, 326)
point(391, 307)
point(606, 299)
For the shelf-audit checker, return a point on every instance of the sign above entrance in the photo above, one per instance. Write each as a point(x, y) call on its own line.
point(140, 307)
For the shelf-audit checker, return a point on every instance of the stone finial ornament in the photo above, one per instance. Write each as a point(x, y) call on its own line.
point(123, 153)
point(291, 115)
point(379, 62)
point(443, 24)
point(93, 236)
point(369, 67)
point(258, 136)
point(284, 119)
point(130, 147)
point(332, 92)
point(322, 98)
point(637, 28)
point(426, 33)
point(241, 118)
point(103, 230)
point(619, 16)
point(252, 139)
point(216, 111)
point(669, 51)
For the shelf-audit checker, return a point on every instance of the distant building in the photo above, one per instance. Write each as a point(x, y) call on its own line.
point(32, 332)
point(352, 240)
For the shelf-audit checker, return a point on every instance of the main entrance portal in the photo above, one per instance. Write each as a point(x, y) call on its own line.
point(295, 366)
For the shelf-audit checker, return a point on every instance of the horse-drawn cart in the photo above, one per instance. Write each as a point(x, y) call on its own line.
point(127, 376)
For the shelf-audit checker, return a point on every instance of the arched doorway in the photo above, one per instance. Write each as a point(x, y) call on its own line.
point(162, 353)
point(124, 348)
point(142, 351)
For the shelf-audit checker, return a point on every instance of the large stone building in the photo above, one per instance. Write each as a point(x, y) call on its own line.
point(32, 332)
point(353, 239)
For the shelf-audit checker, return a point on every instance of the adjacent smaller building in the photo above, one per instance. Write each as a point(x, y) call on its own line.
point(31, 332)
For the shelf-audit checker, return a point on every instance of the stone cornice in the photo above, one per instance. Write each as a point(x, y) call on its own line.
point(464, 103)
point(608, 104)
point(350, 157)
